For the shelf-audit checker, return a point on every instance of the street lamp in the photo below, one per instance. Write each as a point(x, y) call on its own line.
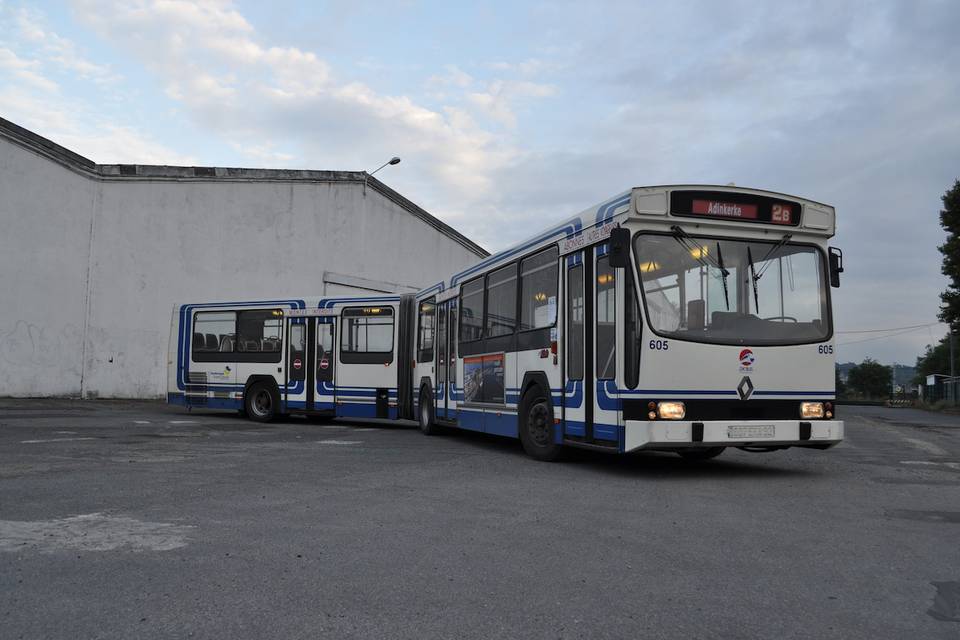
point(393, 160)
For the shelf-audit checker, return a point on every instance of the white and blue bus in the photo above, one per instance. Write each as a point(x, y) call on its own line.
point(675, 318)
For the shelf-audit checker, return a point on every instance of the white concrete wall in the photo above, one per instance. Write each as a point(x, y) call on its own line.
point(139, 245)
point(45, 216)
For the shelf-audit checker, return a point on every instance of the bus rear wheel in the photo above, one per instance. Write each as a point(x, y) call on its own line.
point(536, 426)
point(260, 403)
point(706, 453)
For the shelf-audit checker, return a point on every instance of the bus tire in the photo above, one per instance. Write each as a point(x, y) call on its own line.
point(425, 415)
point(260, 402)
point(535, 420)
point(700, 454)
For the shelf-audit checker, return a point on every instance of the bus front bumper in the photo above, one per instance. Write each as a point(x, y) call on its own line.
point(672, 435)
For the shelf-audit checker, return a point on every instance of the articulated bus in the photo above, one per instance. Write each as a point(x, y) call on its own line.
point(672, 318)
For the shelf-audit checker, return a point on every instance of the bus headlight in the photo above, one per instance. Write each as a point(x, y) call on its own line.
point(810, 410)
point(671, 410)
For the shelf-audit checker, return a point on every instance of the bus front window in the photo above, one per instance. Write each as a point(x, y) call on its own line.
point(733, 291)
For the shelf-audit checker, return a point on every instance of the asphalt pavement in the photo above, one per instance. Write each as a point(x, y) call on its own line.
point(123, 520)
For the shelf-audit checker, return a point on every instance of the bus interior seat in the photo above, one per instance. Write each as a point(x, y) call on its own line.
point(213, 343)
point(695, 315)
point(250, 345)
point(270, 344)
point(226, 344)
point(198, 342)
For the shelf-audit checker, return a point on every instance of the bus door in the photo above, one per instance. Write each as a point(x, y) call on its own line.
point(590, 362)
point(577, 395)
point(602, 306)
point(295, 389)
point(442, 395)
point(310, 367)
point(324, 364)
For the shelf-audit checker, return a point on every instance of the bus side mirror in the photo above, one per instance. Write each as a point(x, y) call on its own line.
point(836, 266)
point(620, 248)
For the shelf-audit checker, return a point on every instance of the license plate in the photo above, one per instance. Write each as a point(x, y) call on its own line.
point(750, 431)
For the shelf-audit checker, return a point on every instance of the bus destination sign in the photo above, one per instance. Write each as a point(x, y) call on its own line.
point(725, 209)
point(733, 206)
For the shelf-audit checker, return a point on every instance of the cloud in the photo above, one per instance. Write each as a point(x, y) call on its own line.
point(82, 130)
point(247, 91)
point(25, 70)
point(56, 51)
point(30, 97)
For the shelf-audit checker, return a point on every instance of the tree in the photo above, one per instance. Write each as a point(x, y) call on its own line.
point(950, 221)
point(936, 359)
point(871, 379)
point(841, 388)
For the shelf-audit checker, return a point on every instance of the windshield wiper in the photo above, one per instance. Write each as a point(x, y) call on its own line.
point(784, 240)
point(724, 273)
point(754, 277)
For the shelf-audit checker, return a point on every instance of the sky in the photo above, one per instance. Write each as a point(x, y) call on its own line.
point(511, 115)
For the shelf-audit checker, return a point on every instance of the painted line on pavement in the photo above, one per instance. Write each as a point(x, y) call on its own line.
point(54, 440)
point(932, 463)
point(928, 447)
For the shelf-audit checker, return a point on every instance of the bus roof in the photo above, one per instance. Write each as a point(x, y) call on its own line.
point(646, 203)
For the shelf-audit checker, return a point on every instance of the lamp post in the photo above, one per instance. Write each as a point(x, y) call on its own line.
point(393, 160)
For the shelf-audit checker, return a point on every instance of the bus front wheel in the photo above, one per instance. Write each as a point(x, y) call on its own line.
point(427, 421)
point(536, 425)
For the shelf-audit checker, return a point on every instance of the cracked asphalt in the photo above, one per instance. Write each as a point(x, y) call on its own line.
point(123, 519)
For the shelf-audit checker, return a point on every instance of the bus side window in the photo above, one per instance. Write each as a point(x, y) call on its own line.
point(428, 312)
point(574, 355)
point(442, 343)
point(606, 320)
point(453, 344)
point(324, 346)
point(471, 310)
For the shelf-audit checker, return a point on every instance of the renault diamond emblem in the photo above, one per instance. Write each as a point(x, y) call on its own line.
point(745, 388)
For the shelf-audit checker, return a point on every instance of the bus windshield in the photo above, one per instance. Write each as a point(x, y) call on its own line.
point(727, 291)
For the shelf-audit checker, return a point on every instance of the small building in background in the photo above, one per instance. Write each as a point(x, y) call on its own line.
point(93, 257)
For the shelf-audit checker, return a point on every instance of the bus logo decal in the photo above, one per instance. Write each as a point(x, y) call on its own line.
point(746, 360)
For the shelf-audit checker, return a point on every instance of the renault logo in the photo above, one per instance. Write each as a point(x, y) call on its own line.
point(745, 388)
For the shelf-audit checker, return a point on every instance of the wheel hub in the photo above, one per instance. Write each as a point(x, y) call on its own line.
point(538, 424)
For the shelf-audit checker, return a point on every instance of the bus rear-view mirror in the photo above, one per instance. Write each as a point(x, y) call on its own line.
point(836, 266)
point(620, 248)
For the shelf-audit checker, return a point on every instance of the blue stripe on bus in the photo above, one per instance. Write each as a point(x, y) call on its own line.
point(605, 211)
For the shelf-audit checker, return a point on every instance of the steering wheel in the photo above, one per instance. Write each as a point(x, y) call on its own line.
point(782, 318)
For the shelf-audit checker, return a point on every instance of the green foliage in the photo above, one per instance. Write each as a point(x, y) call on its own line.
point(871, 379)
point(950, 220)
point(841, 387)
point(936, 359)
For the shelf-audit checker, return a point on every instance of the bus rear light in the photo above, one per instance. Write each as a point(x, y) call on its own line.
point(811, 410)
point(671, 410)
point(553, 347)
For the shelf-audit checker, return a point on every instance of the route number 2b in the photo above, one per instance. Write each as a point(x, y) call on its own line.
point(780, 214)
